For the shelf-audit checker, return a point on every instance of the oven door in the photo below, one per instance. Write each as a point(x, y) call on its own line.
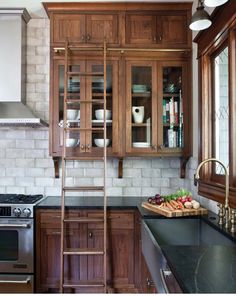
point(19, 283)
point(16, 245)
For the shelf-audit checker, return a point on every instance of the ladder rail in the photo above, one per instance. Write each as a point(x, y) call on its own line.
point(105, 168)
point(63, 169)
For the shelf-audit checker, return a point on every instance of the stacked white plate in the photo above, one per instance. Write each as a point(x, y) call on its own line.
point(141, 144)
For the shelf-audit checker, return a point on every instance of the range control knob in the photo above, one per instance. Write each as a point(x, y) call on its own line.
point(17, 212)
point(26, 212)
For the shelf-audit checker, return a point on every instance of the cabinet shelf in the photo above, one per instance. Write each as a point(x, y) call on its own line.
point(170, 125)
point(175, 95)
point(141, 95)
point(140, 124)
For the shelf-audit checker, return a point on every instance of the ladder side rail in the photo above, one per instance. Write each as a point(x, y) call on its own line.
point(66, 67)
point(105, 167)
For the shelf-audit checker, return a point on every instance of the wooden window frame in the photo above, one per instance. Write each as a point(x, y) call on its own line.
point(210, 42)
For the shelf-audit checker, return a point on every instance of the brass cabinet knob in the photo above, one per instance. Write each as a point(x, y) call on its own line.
point(160, 147)
point(88, 37)
point(88, 147)
point(154, 147)
point(90, 235)
point(83, 37)
point(82, 146)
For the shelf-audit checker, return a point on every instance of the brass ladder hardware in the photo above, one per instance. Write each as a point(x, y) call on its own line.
point(87, 149)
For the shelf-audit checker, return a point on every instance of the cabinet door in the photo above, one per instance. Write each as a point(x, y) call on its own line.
point(100, 26)
point(120, 247)
point(141, 107)
point(172, 30)
point(94, 112)
point(75, 112)
point(48, 251)
point(140, 29)
point(68, 26)
point(172, 90)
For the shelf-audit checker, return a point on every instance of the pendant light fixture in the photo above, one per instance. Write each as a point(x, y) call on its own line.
point(214, 3)
point(200, 19)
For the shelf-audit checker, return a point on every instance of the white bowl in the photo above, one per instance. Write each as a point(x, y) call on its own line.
point(73, 114)
point(72, 142)
point(100, 142)
point(99, 114)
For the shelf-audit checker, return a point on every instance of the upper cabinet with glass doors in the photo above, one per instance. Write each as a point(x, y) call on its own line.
point(156, 107)
point(85, 99)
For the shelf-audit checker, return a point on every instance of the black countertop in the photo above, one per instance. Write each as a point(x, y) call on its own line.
point(203, 269)
point(198, 269)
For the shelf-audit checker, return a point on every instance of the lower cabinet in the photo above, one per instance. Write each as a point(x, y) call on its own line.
point(147, 285)
point(122, 264)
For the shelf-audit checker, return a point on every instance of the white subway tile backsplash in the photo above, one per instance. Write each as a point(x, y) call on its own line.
point(24, 181)
point(141, 182)
point(15, 190)
point(151, 173)
point(132, 191)
point(7, 181)
point(15, 172)
point(28, 144)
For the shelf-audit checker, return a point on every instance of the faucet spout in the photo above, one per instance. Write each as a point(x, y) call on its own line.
point(197, 177)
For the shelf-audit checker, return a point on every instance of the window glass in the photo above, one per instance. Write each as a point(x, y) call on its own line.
point(221, 109)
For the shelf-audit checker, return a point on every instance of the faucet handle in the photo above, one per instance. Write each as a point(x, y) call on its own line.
point(232, 220)
point(221, 214)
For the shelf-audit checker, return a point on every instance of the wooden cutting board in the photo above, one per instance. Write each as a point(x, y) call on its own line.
point(175, 213)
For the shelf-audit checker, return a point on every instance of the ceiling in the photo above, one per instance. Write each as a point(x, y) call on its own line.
point(36, 10)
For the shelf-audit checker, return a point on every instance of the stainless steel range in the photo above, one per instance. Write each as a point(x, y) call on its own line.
point(17, 242)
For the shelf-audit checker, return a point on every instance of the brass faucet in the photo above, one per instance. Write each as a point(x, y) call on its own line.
point(224, 211)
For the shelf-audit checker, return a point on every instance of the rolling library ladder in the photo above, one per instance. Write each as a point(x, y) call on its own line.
point(65, 251)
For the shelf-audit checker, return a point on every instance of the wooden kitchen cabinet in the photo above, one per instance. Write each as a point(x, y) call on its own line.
point(151, 37)
point(121, 257)
point(83, 89)
point(84, 28)
point(157, 30)
point(157, 107)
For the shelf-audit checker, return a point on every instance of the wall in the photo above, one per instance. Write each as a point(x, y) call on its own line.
point(24, 158)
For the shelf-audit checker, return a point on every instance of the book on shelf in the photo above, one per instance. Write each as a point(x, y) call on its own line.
point(167, 112)
point(164, 111)
point(172, 112)
point(176, 112)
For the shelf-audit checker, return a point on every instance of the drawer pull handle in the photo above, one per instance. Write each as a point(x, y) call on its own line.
point(90, 235)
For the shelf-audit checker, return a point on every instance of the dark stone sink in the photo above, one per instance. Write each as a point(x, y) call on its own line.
point(186, 232)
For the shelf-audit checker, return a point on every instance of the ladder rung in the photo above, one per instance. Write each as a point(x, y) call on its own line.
point(83, 251)
point(84, 158)
point(84, 47)
point(84, 188)
point(70, 284)
point(84, 220)
point(92, 129)
point(84, 101)
point(69, 73)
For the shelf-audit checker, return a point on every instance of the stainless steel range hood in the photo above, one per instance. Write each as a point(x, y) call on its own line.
point(13, 109)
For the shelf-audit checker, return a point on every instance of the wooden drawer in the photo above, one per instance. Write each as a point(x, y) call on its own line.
point(116, 220)
point(52, 218)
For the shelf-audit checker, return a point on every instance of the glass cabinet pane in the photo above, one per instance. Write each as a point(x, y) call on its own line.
point(221, 109)
point(97, 114)
point(141, 112)
point(73, 107)
point(172, 103)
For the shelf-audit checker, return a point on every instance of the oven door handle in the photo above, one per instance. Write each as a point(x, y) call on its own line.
point(26, 281)
point(22, 225)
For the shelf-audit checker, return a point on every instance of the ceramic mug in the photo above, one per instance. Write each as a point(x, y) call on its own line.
point(138, 114)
